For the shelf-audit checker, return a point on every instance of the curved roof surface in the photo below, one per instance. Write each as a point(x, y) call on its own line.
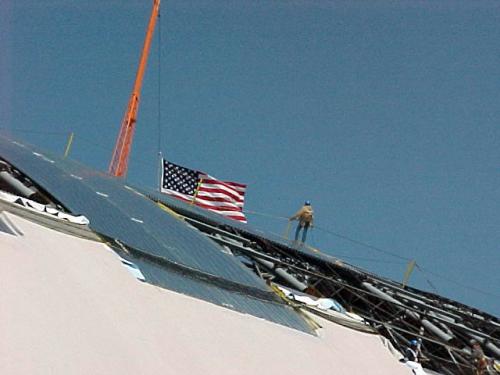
point(124, 214)
point(120, 212)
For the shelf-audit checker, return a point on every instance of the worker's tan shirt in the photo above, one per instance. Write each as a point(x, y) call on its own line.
point(304, 215)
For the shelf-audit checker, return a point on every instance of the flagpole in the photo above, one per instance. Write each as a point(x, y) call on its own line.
point(160, 170)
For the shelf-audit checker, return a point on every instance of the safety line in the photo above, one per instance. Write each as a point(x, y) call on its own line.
point(486, 293)
point(344, 237)
point(33, 131)
point(422, 270)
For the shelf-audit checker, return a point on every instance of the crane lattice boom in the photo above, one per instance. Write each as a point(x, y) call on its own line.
point(119, 161)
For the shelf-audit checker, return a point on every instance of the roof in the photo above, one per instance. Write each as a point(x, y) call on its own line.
point(89, 315)
point(204, 255)
point(171, 253)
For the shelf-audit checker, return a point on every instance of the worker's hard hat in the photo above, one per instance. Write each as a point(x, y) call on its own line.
point(413, 342)
point(307, 203)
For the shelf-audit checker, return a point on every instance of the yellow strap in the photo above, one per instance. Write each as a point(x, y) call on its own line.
point(197, 191)
point(287, 230)
point(169, 211)
point(409, 270)
point(68, 145)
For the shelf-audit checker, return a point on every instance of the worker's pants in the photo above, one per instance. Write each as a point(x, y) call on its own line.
point(305, 227)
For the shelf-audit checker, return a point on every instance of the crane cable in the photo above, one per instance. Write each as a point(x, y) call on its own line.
point(158, 150)
point(159, 84)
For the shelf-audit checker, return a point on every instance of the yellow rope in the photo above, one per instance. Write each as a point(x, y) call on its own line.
point(287, 230)
point(297, 307)
point(195, 195)
point(68, 145)
point(169, 211)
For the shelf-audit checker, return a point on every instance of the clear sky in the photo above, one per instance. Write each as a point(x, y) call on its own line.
point(385, 114)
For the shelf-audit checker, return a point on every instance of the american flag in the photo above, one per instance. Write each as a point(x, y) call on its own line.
point(224, 197)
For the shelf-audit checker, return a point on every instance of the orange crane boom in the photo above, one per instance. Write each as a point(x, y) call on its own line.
point(119, 162)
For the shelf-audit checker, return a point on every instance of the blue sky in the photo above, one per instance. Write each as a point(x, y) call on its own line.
point(384, 114)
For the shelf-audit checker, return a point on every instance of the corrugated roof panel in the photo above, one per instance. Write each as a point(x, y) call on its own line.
point(184, 260)
point(275, 312)
point(120, 213)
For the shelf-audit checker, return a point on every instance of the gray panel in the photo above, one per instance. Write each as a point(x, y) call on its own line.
point(119, 213)
point(169, 253)
point(275, 312)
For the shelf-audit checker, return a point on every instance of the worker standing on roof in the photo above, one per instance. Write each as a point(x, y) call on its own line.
point(305, 218)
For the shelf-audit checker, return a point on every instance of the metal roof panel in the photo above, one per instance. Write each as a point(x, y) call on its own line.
point(122, 214)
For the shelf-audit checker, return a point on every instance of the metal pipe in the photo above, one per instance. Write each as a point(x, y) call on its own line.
point(371, 288)
point(388, 298)
point(17, 186)
point(283, 274)
point(436, 330)
point(426, 323)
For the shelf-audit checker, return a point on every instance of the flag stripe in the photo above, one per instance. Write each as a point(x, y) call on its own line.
point(205, 202)
point(218, 194)
point(218, 202)
point(221, 188)
point(235, 214)
point(232, 185)
point(223, 197)
point(216, 205)
point(232, 215)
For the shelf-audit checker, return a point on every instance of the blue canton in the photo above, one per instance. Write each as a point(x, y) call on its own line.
point(180, 179)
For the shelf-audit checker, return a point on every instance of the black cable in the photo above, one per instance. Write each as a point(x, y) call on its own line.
point(426, 279)
point(94, 144)
point(364, 244)
point(368, 259)
point(330, 232)
point(458, 283)
point(34, 131)
point(423, 271)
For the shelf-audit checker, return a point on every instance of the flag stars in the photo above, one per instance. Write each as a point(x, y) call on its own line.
point(202, 190)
